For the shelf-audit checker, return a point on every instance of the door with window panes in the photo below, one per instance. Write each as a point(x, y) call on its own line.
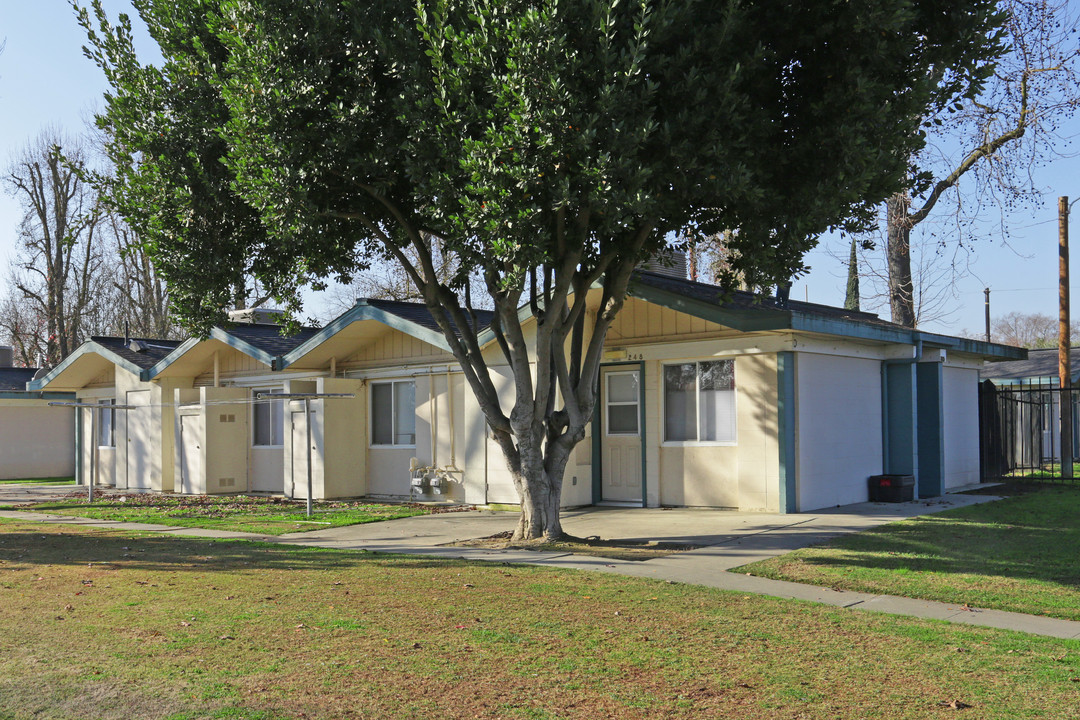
point(620, 444)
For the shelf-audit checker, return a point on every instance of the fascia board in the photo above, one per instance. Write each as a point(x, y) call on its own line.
point(87, 348)
point(356, 314)
point(974, 347)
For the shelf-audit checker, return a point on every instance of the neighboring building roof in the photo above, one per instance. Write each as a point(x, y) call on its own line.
point(13, 379)
point(1039, 364)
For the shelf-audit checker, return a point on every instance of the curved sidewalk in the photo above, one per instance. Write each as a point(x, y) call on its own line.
point(727, 540)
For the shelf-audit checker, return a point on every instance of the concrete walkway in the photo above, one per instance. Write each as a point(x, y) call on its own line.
point(728, 540)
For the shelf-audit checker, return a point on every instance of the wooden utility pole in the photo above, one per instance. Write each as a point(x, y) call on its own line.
point(1064, 367)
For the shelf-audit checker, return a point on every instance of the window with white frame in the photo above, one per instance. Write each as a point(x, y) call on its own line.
point(393, 413)
point(268, 421)
point(106, 422)
point(699, 402)
point(622, 403)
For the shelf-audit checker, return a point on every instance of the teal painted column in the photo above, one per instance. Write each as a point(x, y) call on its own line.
point(899, 426)
point(785, 430)
point(930, 481)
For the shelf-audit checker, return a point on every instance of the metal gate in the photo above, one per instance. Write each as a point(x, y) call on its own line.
point(1020, 431)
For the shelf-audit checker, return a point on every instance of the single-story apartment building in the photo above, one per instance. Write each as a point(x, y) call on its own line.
point(750, 403)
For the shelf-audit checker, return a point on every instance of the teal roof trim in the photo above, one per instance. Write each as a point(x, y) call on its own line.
point(361, 311)
point(87, 348)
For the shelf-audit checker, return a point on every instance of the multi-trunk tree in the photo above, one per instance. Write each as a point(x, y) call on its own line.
point(549, 146)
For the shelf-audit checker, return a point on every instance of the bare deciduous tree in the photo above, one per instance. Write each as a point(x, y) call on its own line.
point(1001, 135)
point(59, 273)
point(142, 296)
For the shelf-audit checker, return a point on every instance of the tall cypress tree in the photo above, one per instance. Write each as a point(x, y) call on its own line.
point(851, 300)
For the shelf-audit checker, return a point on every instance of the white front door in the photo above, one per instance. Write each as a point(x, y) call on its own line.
point(138, 440)
point(620, 444)
point(191, 465)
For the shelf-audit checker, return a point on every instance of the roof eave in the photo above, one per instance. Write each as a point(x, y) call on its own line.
point(357, 313)
point(86, 348)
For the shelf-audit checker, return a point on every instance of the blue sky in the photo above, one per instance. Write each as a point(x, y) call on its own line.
point(44, 79)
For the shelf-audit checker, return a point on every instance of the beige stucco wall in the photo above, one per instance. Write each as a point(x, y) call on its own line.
point(36, 440)
point(743, 475)
point(227, 438)
point(338, 463)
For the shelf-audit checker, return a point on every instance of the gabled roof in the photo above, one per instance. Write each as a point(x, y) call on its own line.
point(133, 354)
point(750, 312)
point(411, 318)
point(1039, 364)
point(261, 341)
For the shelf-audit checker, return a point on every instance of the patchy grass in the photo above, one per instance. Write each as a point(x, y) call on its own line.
point(40, 481)
point(1016, 554)
point(263, 515)
point(591, 546)
point(111, 624)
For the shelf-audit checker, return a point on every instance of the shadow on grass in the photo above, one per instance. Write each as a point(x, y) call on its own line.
point(104, 549)
point(1033, 536)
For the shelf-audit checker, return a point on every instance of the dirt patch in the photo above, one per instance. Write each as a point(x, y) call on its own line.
point(593, 546)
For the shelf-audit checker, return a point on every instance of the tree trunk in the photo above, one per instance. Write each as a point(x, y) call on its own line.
point(898, 249)
point(539, 483)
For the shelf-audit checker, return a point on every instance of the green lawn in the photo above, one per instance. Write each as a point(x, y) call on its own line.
point(40, 481)
point(1021, 553)
point(112, 624)
point(265, 515)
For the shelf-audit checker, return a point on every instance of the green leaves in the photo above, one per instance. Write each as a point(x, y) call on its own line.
point(281, 135)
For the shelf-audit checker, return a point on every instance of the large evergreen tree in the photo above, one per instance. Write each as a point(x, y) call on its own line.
point(550, 146)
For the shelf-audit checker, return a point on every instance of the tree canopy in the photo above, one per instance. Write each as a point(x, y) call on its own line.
point(550, 146)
